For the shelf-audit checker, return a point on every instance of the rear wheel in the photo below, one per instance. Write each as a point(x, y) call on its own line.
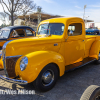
point(91, 93)
point(47, 78)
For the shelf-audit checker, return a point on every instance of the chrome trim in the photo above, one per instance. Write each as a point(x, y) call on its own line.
point(13, 80)
point(13, 56)
point(4, 57)
point(48, 77)
point(5, 44)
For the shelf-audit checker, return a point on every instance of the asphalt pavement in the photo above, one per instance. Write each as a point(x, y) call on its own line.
point(69, 87)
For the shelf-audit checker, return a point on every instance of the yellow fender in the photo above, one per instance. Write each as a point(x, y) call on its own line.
point(94, 50)
point(37, 61)
point(1, 64)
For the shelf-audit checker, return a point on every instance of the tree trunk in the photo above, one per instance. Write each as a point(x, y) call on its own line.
point(12, 20)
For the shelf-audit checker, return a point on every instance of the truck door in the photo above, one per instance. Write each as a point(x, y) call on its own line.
point(74, 43)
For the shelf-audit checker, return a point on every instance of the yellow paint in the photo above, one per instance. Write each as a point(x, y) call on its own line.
point(37, 61)
point(41, 51)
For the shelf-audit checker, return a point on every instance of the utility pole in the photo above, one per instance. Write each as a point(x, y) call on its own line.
point(84, 12)
point(86, 21)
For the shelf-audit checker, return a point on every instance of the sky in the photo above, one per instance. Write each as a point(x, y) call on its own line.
point(70, 8)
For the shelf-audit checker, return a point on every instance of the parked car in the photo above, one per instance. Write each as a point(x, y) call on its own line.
point(92, 31)
point(60, 45)
point(12, 33)
point(15, 32)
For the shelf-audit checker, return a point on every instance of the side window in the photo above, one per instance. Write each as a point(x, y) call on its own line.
point(74, 29)
point(14, 34)
point(28, 32)
point(20, 32)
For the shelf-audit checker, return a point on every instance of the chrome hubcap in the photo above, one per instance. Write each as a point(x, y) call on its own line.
point(47, 77)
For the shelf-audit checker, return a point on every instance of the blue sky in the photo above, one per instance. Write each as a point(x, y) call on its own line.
point(71, 8)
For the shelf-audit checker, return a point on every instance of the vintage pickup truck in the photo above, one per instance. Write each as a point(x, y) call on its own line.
point(61, 45)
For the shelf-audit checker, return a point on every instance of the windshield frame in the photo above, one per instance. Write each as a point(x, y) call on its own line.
point(48, 28)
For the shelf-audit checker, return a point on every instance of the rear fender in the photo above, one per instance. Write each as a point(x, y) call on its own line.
point(94, 50)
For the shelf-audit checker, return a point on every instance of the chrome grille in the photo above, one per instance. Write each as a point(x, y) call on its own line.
point(4, 61)
point(4, 57)
point(10, 65)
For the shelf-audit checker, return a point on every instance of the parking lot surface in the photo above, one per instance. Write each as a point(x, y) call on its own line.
point(69, 87)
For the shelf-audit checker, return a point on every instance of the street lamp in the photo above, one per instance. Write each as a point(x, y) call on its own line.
point(86, 20)
point(84, 11)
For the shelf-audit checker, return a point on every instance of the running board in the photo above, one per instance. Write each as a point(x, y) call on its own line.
point(73, 66)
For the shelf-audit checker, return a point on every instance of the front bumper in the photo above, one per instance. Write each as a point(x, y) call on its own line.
point(13, 80)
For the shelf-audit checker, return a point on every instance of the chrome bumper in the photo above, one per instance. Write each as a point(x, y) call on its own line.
point(13, 80)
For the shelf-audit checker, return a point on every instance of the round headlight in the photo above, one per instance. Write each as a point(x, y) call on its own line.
point(23, 63)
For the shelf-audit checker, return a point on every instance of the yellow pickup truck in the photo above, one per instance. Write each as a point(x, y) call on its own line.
point(61, 45)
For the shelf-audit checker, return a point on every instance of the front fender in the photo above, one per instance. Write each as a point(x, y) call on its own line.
point(37, 61)
point(94, 50)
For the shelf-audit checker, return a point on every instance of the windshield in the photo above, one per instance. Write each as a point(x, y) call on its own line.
point(4, 33)
point(51, 28)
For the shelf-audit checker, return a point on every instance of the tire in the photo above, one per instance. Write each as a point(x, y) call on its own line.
point(98, 61)
point(91, 93)
point(47, 78)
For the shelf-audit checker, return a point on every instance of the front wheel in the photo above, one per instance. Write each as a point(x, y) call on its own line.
point(47, 78)
point(91, 93)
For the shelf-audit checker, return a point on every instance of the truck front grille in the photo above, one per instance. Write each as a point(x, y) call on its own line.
point(10, 66)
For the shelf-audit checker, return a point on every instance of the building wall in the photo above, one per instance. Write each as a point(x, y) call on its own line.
point(97, 25)
point(92, 24)
point(17, 22)
point(88, 25)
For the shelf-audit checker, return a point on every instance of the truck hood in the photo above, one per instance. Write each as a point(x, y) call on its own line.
point(28, 45)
